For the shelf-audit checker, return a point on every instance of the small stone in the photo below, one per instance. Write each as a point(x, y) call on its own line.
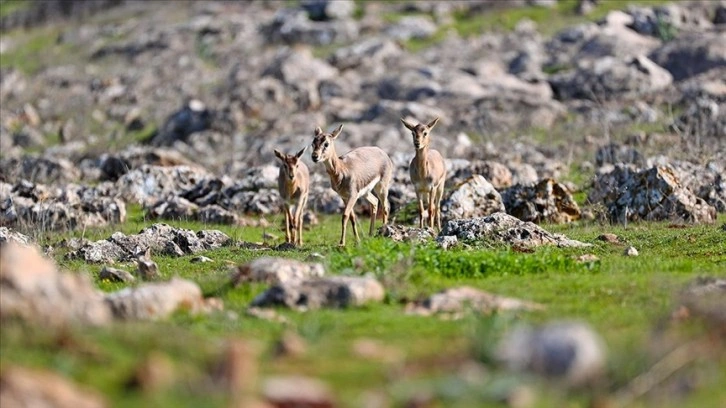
point(609, 238)
point(295, 391)
point(146, 268)
point(115, 275)
point(269, 236)
point(290, 344)
point(587, 258)
point(24, 387)
point(569, 351)
point(155, 373)
point(630, 251)
point(320, 292)
point(266, 314)
point(446, 242)
point(200, 259)
point(276, 270)
point(455, 301)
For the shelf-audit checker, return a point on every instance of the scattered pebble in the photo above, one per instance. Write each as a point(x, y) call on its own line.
point(631, 251)
point(200, 259)
point(609, 238)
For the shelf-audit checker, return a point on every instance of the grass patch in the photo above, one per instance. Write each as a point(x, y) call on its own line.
point(8, 7)
point(621, 297)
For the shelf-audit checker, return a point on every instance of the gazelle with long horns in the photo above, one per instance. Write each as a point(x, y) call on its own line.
point(294, 185)
point(428, 173)
point(364, 172)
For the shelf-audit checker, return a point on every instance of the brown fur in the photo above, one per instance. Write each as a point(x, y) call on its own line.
point(428, 173)
point(364, 168)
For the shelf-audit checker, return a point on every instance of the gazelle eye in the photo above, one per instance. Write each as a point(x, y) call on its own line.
point(326, 144)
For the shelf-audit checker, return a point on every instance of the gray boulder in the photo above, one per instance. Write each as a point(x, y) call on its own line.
point(404, 233)
point(32, 289)
point(276, 270)
point(39, 169)
point(654, 193)
point(159, 238)
point(66, 208)
point(316, 293)
point(8, 235)
point(154, 301)
point(115, 275)
point(609, 78)
point(25, 387)
point(411, 27)
point(546, 201)
point(323, 10)
point(496, 173)
point(501, 228)
point(476, 197)
point(691, 54)
point(461, 299)
point(147, 184)
point(571, 352)
point(293, 26)
point(616, 153)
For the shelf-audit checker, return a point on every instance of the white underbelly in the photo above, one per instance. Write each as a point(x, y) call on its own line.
point(368, 188)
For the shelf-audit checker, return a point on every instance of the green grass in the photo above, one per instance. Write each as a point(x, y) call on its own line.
point(34, 50)
point(8, 7)
point(623, 298)
point(504, 19)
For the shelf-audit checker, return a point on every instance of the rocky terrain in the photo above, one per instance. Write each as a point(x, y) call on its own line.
point(112, 107)
point(182, 117)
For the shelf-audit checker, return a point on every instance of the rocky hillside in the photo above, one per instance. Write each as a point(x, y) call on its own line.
point(137, 102)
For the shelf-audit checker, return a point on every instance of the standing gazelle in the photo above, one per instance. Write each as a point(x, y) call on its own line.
point(294, 185)
point(428, 173)
point(362, 172)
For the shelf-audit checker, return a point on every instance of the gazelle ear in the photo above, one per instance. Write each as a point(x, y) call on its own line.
point(408, 125)
point(301, 152)
point(279, 155)
point(336, 132)
point(433, 123)
point(318, 131)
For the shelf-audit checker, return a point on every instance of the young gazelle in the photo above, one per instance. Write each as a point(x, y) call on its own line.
point(362, 172)
point(294, 185)
point(428, 173)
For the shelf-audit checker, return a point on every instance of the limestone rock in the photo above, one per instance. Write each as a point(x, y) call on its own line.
point(571, 352)
point(115, 275)
point(458, 300)
point(25, 387)
point(159, 238)
point(315, 293)
point(655, 193)
point(476, 197)
point(32, 289)
point(404, 233)
point(154, 301)
point(501, 228)
point(546, 201)
point(276, 270)
point(609, 77)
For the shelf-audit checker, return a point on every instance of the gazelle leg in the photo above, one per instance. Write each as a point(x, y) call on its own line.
point(288, 222)
point(432, 209)
point(348, 215)
point(374, 210)
point(439, 197)
point(420, 210)
point(299, 219)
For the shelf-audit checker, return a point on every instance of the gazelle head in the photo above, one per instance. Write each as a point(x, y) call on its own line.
point(323, 144)
point(290, 162)
point(420, 132)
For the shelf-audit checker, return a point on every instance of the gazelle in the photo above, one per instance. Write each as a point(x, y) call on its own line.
point(362, 172)
point(294, 185)
point(428, 173)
